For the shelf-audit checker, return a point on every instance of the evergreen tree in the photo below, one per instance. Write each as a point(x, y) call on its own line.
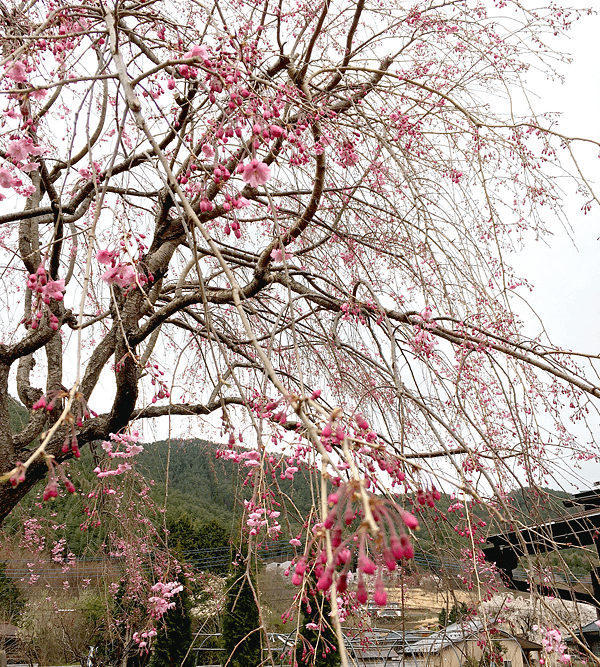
point(174, 639)
point(317, 642)
point(241, 623)
point(457, 613)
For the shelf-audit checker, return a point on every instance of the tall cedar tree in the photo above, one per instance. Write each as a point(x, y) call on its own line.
point(316, 647)
point(241, 623)
point(173, 641)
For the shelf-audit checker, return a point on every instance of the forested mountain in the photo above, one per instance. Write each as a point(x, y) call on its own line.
point(205, 487)
point(203, 496)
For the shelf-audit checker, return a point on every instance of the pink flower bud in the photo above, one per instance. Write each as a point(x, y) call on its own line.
point(380, 596)
point(366, 565)
point(389, 560)
point(325, 580)
point(40, 404)
point(407, 547)
point(344, 556)
point(361, 591)
point(51, 490)
point(396, 547)
point(330, 519)
point(410, 520)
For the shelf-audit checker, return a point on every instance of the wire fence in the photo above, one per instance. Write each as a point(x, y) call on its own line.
point(203, 559)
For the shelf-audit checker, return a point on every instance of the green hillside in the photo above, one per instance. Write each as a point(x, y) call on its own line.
point(203, 496)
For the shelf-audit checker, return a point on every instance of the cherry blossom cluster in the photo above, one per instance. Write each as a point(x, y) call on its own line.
point(390, 545)
point(118, 273)
point(142, 639)
point(20, 149)
point(159, 604)
point(470, 524)
point(120, 446)
point(424, 342)
point(352, 311)
point(476, 571)
point(261, 517)
point(553, 644)
point(334, 432)
point(44, 290)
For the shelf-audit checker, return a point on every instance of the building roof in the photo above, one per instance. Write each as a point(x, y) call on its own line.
point(528, 645)
point(460, 632)
point(8, 629)
point(590, 628)
point(452, 634)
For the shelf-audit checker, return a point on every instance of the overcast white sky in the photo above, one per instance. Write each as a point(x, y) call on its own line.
point(566, 274)
point(565, 271)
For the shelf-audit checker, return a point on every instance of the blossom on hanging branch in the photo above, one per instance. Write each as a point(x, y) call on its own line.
point(390, 545)
point(45, 290)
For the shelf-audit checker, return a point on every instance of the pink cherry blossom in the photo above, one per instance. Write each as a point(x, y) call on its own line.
point(241, 202)
point(197, 52)
point(122, 275)
point(13, 113)
point(53, 289)
point(208, 151)
point(22, 148)
point(277, 255)
point(7, 180)
point(17, 72)
point(256, 173)
point(106, 257)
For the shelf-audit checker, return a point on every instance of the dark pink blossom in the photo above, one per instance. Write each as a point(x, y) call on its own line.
point(410, 520)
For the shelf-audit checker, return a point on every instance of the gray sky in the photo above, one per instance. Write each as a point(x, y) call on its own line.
point(566, 271)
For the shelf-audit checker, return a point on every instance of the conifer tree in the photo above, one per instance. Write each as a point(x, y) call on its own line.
point(317, 643)
point(241, 623)
point(173, 641)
